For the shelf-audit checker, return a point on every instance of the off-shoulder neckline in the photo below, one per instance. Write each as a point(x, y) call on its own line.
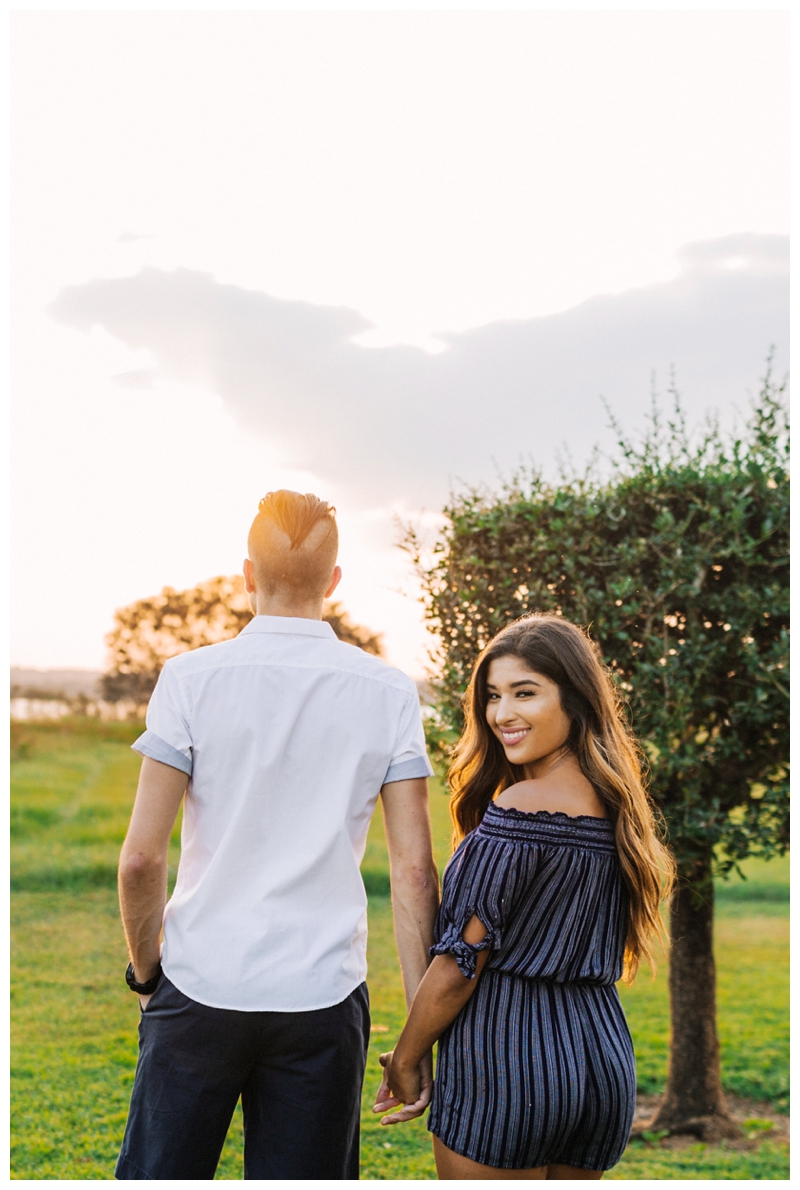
point(513, 811)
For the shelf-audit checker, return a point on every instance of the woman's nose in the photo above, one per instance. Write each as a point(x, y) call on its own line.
point(505, 711)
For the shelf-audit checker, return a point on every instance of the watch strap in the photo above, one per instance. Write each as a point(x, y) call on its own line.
point(142, 989)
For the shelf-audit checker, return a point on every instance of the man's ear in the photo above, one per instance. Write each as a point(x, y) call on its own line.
point(335, 579)
point(249, 577)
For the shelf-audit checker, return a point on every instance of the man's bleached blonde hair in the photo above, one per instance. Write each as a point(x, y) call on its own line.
point(293, 543)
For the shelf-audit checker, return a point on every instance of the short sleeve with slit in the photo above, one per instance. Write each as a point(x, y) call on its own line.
point(480, 881)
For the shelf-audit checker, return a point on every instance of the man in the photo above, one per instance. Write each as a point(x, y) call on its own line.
point(285, 736)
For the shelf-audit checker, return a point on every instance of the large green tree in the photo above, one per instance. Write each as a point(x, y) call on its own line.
point(677, 562)
point(150, 631)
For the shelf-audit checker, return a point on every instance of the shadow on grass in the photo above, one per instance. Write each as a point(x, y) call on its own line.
point(65, 879)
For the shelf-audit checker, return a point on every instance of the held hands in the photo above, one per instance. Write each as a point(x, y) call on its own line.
point(400, 1084)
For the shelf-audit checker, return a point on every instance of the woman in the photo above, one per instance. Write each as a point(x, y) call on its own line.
point(552, 895)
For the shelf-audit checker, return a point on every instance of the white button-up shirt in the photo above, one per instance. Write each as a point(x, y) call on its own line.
point(287, 735)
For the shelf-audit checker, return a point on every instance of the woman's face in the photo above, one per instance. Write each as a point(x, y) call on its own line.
point(523, 709)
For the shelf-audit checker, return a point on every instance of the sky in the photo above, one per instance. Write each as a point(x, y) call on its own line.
point(375, 255)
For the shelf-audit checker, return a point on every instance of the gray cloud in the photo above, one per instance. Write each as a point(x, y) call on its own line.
point(397, 422)
point(142, 378)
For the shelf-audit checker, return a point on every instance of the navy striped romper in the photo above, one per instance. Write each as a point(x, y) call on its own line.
point(538, 1066)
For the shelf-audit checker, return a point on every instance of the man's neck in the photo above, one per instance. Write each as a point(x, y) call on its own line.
point(267, 605)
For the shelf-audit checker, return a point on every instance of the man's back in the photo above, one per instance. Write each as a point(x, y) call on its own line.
point(278, 743)
point(289, 735)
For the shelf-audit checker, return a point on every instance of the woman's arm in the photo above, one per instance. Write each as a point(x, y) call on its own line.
point(414, 879)
point(441, 995)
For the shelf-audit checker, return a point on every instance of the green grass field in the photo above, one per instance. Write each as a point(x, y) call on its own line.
point(74, 1022)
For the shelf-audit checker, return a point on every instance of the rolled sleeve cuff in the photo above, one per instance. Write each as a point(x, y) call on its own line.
point(406, 770)
point(153, 746)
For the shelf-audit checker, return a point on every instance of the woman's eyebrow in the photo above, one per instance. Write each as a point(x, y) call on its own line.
point(513, 685)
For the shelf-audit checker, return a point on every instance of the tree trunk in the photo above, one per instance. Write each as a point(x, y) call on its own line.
point(693, 1101)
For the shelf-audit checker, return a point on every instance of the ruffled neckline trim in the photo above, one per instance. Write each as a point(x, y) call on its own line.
point(550, 815)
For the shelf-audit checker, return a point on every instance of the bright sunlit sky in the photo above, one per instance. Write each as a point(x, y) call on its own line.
point(361, 254)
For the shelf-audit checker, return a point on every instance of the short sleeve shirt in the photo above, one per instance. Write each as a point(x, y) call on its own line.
point(287, 735)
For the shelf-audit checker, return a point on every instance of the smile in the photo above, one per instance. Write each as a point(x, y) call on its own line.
point(513, 737)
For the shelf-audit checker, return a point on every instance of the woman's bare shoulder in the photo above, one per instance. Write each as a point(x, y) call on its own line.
point(512, 797)
point(565, 797)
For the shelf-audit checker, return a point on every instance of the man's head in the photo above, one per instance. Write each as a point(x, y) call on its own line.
point(292, 547)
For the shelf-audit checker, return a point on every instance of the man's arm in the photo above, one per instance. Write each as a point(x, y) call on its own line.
point(143, 863)
point(415, 899)
point(415, 881)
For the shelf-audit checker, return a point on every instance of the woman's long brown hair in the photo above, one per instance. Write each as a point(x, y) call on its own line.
point(604, 746)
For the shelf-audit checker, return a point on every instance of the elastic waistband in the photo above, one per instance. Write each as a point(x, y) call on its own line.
point(578, 984)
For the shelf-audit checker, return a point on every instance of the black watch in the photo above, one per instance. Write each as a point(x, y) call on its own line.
point(142, 989)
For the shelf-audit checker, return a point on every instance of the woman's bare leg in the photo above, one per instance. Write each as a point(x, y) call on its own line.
point(572, 1173)
point(452, 1166)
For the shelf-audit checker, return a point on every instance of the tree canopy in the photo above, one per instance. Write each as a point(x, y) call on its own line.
point(678, 565)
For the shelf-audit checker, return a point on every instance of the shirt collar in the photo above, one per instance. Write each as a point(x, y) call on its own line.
point(290, 626)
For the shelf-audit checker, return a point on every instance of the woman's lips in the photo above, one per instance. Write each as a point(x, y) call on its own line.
point(513, 737)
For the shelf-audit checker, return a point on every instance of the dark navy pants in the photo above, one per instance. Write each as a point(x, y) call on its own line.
point(299, 1075)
